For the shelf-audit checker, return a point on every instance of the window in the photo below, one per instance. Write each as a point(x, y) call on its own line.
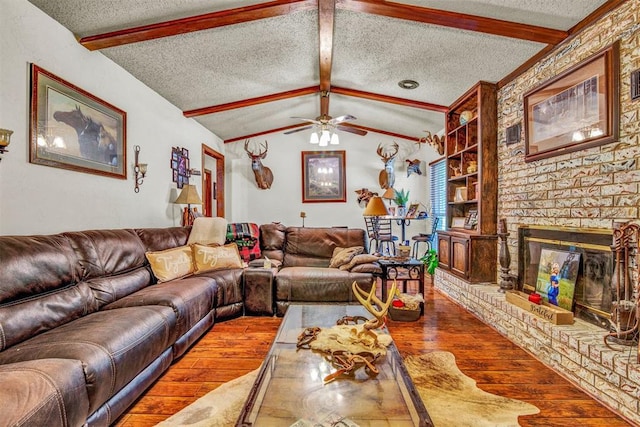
point(438, 192)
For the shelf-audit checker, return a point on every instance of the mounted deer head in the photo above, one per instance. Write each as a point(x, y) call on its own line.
point(387, 176)
point(434, 141)
point(264, 176)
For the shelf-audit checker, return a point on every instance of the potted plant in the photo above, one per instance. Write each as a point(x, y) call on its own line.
point(401, 198)
point(430, 260)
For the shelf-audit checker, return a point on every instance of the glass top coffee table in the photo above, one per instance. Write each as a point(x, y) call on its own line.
point(289, 389)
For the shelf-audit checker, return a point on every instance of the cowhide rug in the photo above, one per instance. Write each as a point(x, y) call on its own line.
point(451, 398)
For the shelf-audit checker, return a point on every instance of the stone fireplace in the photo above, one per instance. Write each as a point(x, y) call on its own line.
point(593, 290)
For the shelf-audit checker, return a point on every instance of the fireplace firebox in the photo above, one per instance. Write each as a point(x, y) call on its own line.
point(593, 289)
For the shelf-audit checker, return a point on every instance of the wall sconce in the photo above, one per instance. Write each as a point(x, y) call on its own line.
point(5, 139)
point(139, 168)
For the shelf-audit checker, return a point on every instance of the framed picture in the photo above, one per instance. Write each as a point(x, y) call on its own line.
point(323, 176)
point(471, 220)
point(557, 275)
point(180, 166)
point(577, 109)
point(413, 209)
point(72, 129)
point(457, 222)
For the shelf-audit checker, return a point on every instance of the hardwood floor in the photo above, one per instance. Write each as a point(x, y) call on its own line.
point(235, 347)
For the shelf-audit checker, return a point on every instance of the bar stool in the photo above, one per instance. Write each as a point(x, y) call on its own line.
point(424, 238)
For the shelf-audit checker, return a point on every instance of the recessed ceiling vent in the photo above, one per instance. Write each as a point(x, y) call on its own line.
point(408, 84)
point(635, 85)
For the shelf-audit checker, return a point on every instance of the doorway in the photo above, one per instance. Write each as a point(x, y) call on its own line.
point(212, 182)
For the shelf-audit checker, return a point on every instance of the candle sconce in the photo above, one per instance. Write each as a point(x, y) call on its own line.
point(140, 170)
point(5, 139)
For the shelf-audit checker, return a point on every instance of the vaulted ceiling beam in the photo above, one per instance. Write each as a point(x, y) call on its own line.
point(251, 101)
point(390, 99)
point(196, 23)
point(457, 20)
point(326, 19)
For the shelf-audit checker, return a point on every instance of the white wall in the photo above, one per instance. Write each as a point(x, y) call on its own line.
point(37, 199)
point(283, 201)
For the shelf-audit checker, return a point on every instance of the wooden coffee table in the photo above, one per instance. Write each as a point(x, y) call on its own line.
point(289, 389)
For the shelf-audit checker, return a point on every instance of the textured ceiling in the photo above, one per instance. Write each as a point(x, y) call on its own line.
point(373, 49)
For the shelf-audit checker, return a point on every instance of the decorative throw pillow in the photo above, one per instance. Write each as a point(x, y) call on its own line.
point(342, 256)
point(171, 263)
point(359, 259)
point(206, 230)
point(209, 258)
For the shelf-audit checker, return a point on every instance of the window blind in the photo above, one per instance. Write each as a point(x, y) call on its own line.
point(438, 192)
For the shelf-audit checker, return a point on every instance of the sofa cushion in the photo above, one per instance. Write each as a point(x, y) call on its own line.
point(158, 239)
point(172, 263)
point(111, 288)
point(206, 230)
point(229, 296)
point(272, 238)
point(113, 346)
point(317, 284)
point(342, 256)
point(191, 299)
point(209, 258)
point(31, 265)
point(106, 252)
point(313, 247)
point(47, 392)
point(43, 312)
point(359, 260)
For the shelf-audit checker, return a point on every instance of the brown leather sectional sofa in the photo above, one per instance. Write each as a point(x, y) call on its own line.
point(85, 328)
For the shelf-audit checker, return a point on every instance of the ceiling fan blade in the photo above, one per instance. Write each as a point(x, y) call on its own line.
point(352, 130)
point(297, 130)
point(344, 118)
point(304, 119)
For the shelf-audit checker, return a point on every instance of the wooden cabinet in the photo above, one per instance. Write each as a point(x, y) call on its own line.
point(472, 185)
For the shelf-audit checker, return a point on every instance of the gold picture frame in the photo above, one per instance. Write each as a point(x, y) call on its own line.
point(575, 110)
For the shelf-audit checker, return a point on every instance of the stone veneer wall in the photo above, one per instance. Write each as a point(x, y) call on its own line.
point(587, 188)
point(576, 351)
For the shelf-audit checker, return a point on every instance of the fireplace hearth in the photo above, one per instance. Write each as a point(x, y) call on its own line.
point(593, 291)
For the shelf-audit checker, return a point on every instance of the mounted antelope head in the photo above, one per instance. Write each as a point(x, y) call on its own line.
point(264, 176)
point(364, 195)
point(387, 176)
point(434, 141)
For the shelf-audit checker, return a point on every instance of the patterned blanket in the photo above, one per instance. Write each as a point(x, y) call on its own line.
point(247, 236)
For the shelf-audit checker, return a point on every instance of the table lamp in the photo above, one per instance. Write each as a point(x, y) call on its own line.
point(375, 207)
point(188, 196)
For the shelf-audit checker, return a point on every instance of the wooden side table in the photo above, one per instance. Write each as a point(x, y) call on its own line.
point(401, 271)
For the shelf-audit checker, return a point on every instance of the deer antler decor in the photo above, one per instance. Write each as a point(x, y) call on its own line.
point(387, 176)
point(263, 175)
point(349, 345)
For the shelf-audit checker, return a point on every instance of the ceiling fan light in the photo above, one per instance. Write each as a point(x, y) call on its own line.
point(314, 138)
point(324, 138)
point(334, 139)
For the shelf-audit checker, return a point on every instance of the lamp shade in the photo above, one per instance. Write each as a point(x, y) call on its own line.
point(390, 194)
point(375, 207)
point(189, 196)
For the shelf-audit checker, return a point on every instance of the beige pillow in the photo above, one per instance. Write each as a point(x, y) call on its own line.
point(209, 258)
point(342, 256)
point(206, 230)
point(359, 259)
point(171, 263)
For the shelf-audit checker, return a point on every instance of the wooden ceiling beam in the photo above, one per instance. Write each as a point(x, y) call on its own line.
point(326, 18)
point(390, 99)
point(457, 20)
point(196, 23)
point(251, 101)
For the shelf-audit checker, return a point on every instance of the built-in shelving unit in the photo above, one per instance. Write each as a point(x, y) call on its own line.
point(468, 246)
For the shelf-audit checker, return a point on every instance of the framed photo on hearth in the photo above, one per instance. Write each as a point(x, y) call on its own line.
point(323, 176)
point(575, 110)
point(73, 129)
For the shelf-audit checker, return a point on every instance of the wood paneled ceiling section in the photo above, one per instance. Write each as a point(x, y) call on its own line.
point(350, 16)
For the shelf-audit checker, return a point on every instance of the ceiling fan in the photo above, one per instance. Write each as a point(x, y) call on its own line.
point(325, 123)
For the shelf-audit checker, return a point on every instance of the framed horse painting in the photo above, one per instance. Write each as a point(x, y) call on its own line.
point(72, 129)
